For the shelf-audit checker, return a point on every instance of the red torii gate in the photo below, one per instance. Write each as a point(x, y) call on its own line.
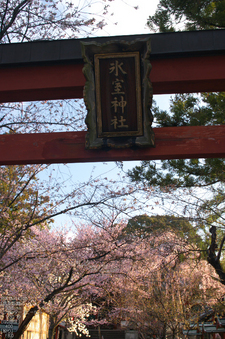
point(181, 62)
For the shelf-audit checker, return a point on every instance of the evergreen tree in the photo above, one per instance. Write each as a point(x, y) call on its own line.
point(202, 14)
point(192, 110)
point(186, 110)
point(145, 226)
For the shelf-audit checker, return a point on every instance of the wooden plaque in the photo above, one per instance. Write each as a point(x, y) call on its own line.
point(118, 94)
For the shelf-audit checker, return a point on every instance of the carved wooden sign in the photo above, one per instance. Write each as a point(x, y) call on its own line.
point(118, 94)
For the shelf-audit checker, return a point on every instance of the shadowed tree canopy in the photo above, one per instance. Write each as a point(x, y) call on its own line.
point(185, 110)
point(145, 226)
point(192, 15)
point(192, 110)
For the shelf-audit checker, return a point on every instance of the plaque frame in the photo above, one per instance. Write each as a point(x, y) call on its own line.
point(96, 138)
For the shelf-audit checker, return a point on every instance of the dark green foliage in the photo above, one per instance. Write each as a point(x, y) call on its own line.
point(180, 173)
point(186, 110)
point(192, 110)
point(169, 175)
point(196, 15)
point(144, 226)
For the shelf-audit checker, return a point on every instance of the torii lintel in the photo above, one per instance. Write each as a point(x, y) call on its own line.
point(182, 62)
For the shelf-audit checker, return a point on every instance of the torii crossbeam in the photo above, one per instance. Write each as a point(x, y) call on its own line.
point(181, 62)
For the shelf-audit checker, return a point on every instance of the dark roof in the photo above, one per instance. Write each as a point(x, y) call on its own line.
point(207, 327)
point(163, 45)
point(221, 321)
point(190, 333)
point(213, 329)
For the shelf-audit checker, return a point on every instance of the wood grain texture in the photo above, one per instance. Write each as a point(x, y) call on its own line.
point(65, 81)
point(68, 147)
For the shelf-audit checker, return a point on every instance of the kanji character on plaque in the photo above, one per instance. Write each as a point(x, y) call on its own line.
point(116, 66)
point(122, 103)
point(118, 86)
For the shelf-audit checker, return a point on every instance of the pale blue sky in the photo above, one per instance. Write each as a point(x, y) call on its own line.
point(126, 20)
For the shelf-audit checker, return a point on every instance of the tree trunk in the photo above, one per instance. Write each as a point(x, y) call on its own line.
point(31, 313)
point(52, 329)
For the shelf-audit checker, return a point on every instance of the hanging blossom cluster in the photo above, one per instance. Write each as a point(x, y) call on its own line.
point(77, 323)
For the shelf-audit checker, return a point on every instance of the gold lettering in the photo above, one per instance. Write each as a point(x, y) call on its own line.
point(122, 103)
point(114, 122)
point(121, 121)
point(116, 66)
point(118, 86)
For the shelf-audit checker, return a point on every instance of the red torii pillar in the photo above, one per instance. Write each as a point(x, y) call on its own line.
point(181, 62)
